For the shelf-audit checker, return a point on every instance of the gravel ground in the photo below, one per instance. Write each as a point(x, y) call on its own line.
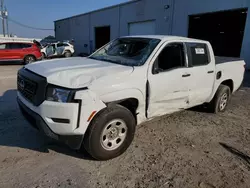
point(186, 149)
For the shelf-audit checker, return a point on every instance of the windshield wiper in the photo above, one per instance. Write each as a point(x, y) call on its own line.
point(102, 59)
point(92, 58)
point(112, 61)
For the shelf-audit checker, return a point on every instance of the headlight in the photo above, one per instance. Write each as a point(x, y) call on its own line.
point(57, 94)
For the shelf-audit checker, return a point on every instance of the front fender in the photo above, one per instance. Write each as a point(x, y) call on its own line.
point(89, 102)
point(126, 94)
point(123, 94)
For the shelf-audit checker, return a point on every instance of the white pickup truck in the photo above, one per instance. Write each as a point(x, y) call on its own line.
point(96, 102)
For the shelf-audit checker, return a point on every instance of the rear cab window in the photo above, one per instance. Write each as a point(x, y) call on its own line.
point(198, 54)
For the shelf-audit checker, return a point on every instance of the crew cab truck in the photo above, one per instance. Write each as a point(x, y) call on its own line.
point(96, 102)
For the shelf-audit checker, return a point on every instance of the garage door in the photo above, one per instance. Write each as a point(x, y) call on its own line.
point(225, 30)
point(142, 28)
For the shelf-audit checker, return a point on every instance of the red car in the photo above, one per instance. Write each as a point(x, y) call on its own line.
point(20, 51)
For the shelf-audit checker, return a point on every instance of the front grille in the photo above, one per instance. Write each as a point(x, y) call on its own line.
point(31, 86)
point(26, 87)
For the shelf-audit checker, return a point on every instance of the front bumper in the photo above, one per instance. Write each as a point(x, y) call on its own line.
point(36, 121)
point(63, 121)
point(53, 112)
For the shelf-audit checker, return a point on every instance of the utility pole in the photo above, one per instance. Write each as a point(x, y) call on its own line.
point(3, 17)
point(7, 21)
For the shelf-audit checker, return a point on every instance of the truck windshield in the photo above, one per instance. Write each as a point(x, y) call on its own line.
point(127, 51)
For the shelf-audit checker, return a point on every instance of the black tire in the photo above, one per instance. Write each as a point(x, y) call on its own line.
point(67, 54)
point(92, 140)
point(214, 105)
point(29, 59)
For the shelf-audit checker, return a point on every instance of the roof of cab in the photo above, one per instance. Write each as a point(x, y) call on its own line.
point(166, 37)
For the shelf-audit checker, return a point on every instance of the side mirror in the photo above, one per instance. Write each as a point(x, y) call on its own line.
point(156, 70)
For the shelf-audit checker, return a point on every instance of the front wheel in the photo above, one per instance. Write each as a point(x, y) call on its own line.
point(221, 99)
point(110, 133)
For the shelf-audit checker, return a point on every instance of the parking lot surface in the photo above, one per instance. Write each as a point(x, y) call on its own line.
point(186, 149)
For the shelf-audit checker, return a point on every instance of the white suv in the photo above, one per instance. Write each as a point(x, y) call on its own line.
point(58, 49)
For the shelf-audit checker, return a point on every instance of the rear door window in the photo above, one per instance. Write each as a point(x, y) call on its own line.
point(15, 46)
point(60, 44)
point(26, 45)
point(198, 54)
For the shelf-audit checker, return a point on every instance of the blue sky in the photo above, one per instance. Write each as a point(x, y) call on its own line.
point(42, 13)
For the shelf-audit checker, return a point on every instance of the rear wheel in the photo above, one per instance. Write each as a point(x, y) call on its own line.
point(67, 54)
point(221, 99)
point(29, 59)
point(110, 133)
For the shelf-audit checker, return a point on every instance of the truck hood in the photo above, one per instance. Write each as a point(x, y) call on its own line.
point(77, 72)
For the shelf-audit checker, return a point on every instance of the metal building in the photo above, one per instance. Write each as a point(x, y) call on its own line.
point(225, 23)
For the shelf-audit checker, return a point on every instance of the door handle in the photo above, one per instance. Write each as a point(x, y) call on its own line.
point(210, 72)
point(186, 75)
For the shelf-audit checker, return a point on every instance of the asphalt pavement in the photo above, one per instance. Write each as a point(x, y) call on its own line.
point(191, 148)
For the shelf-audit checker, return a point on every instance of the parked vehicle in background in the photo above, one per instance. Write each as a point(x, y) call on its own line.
point(59, 49)
point(24, 52)
point(96, 102)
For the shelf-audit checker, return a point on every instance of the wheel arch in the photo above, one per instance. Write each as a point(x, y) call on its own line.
point(29, 55)
point(132, 99)
point(44, 54)
point(226, 82)
point(130, 103)
point(66, 50)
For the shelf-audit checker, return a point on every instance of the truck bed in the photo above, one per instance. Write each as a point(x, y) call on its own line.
point(220, 60)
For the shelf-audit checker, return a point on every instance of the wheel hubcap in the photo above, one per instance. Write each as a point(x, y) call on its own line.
point(223, 101)
point(29, 60)
point(113, 134)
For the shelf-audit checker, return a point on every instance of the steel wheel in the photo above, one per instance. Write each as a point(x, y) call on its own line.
point(110, 132)
point(113, 134)
point(223, 101)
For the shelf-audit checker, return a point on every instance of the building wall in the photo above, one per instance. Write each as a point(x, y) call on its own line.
point(118, 18)
point(76, 28)
point(170, 16)
point(183, 9)
point(62, 29)
point(79, 31)
point(107, 17)
point(145, 11)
